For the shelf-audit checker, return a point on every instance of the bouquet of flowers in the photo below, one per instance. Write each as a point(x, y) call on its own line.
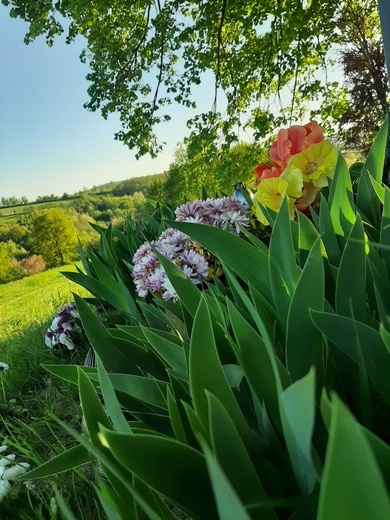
point(227, 213)
point(301, 162)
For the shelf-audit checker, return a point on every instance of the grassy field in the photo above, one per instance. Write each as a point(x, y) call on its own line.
point(9, 214)
point(26, 309)
point(30, 398)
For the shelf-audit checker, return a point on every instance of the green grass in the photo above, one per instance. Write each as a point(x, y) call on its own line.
point(33, 397)
point(26, 309)
point(13, 213)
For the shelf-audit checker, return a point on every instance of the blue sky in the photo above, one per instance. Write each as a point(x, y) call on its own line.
point(48, 142)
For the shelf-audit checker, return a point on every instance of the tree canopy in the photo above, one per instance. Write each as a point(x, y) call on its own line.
point(54, 236)
point(145, 55)
point(363, 61)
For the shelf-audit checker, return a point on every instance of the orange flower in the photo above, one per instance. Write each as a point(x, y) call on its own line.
point(289, 142)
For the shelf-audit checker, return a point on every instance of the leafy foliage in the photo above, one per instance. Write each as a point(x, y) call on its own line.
point(54, 236)
point(149, 55)
point(263, 396)
point(363, 62)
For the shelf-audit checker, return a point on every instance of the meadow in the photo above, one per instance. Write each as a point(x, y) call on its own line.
point(13, 213)
point(30, 398)
point(26, 308)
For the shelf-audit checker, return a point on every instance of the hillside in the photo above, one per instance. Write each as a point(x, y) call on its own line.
point(12, 212)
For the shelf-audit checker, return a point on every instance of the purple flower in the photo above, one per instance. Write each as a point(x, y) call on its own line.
point(63, 324)
point(148, 274)
point(189, 211)
point(226, 213)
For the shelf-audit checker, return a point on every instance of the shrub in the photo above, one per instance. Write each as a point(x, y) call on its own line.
point(33, 264)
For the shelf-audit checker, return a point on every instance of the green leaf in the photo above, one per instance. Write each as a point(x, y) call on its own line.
point(385, 335)
point(113, 407)
point(167, 319)
point(327, 234)
point(68, 372)
point(367, 200)
point(341, 203)
point(157, 502)
point(171, 468)
point(297, 408)
point(228, 503)
point(66, 512)
point(103, 274)
point(83, 259)
point(233, 374)
point(230, 452)
point(92, 408)
point(146, 389)
point(306, 238)
point(351, 279)
point(283, 268)
point(171, 353)
point(118, 355)
point(352, 484)
point(247, 261)
point(340, 330)
point(69, 459)
point(304, 341)
point(107, 498)
point(258, 362)
point(385, 232)
point(356, 169)
point(178, 395)
point(175, 418)
point(381, 451)
point(188, 294)
point(379, 188)
point(206, 372)
point(99, 290)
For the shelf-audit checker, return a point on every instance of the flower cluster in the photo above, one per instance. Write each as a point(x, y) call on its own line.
point(9, 472)
point(227, 213)
point(149, 275)
point(301, 162)
point(63, 326)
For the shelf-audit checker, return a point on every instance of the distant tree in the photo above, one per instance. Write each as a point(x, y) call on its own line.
point(15, 232)
point(363, 61)
point(5, 263)
point(54, 236)
point(189, 174)
point(9, 266)
point(135, 184)
point(13, 201)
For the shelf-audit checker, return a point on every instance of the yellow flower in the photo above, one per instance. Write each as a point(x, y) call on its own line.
point(273, 190)
point(316, 163)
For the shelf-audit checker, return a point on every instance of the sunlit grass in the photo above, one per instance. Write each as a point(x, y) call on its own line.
point(26, 309)
point(32, 397)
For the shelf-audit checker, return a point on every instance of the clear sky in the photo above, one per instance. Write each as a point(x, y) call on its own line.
point(48, 142)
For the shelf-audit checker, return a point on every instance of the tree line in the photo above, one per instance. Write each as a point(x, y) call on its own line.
point(117, 189)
